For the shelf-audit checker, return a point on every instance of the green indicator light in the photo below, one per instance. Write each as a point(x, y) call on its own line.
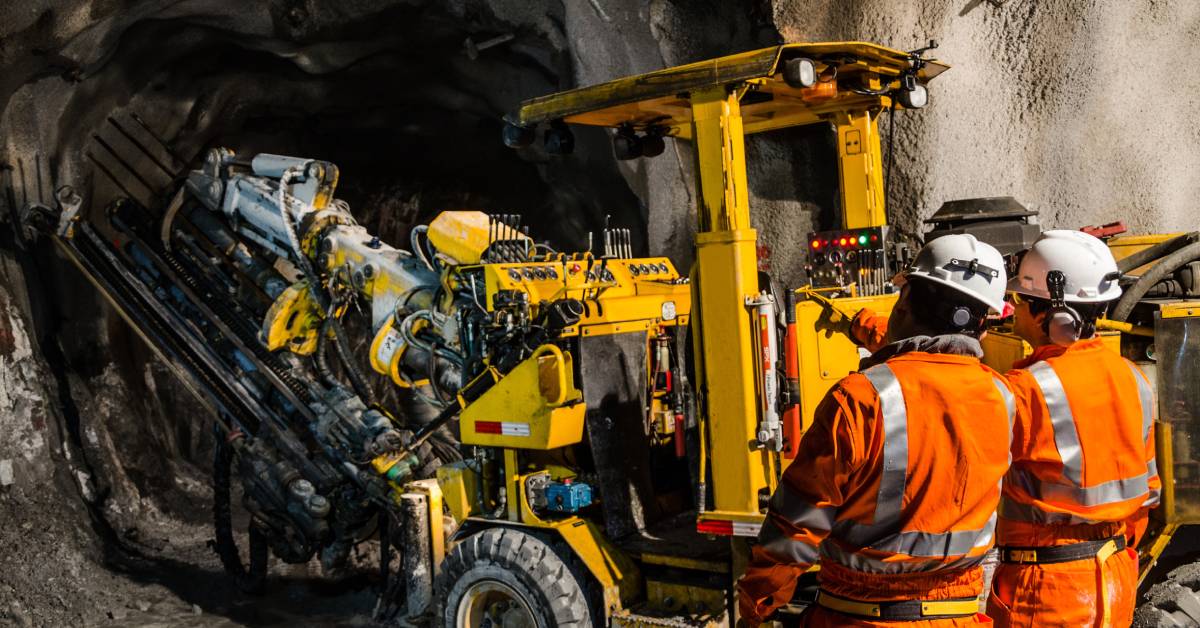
point(862, 239)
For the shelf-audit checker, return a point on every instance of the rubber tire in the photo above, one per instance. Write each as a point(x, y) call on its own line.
point(555, 592)
point(1173, 602)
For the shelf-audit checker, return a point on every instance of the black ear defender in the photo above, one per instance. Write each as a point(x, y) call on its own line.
point(960, 317)
point(1056, 285)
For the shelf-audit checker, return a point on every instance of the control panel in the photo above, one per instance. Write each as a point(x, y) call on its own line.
point(844, 257)
point(582, 278)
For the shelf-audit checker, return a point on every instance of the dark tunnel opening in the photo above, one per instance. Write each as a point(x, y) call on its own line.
point(412, 120)
point(412, 115)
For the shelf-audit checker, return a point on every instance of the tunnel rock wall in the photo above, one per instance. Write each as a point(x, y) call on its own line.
point(1082, 109)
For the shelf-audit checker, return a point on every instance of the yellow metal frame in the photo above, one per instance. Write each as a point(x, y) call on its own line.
point(726, 274)
point(825, 354)
point(1182, 309)
point(293, 321)
point(706, 103)
point(1124, 246)
point(665, 98)
point(534, 406)
point(860, 172)
point(628, 296)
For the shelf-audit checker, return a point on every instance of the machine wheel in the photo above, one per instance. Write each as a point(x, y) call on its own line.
point(505, 578)
point(1172, 602)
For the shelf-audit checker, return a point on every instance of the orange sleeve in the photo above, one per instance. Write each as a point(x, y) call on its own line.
point(804, 506)
point(869, 330)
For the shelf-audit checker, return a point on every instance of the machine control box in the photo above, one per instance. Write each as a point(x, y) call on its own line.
point(568, 496)
point(845, 256)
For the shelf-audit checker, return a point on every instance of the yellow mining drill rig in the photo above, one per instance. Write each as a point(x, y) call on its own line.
point(610, 426)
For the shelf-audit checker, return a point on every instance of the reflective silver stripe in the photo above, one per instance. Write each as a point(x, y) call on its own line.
point(1016, 511)
point(915, 542)
point(1106, 493)
point(1152, 472)
point(1010, 403)
point(1146, 396)
point(1066, 439)
point(783, 546)
point(870, 564)
point(890, 499)
point(801, 514)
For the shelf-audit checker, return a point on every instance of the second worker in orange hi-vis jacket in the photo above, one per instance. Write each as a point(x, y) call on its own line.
point(1083, 473)
point(895, 487)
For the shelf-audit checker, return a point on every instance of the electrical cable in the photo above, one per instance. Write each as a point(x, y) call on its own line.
point(418, 250)
point(357, 380)
point(891, 156)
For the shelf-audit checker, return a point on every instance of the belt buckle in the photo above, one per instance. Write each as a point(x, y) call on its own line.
point(1022, 556)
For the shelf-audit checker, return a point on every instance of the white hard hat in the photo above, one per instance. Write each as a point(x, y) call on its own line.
point(1087, 264)
point(961, 262)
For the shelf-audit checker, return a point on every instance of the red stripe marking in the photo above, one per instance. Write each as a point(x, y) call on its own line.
point(489, 427)
point(715, 526)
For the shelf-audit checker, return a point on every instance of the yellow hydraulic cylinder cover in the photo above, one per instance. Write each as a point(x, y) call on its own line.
point(464, 236)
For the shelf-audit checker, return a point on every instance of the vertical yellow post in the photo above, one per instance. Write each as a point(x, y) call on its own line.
point(861, 169)
point(727, 272)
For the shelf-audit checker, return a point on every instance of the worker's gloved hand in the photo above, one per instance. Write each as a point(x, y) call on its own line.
point(868, 330)
point(833, 321)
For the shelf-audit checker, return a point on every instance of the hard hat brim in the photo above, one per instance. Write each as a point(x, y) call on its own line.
point(1014, 285)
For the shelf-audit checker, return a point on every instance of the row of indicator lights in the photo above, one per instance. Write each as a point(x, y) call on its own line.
point(848, 240)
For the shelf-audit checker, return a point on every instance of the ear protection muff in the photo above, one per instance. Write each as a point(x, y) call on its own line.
point(1062, 323)
point(959, 317)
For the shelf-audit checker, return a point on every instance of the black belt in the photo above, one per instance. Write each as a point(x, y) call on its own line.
point(1061, 553)
point(904, 610)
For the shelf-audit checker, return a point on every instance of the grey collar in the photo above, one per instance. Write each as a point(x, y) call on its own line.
point(952, 344)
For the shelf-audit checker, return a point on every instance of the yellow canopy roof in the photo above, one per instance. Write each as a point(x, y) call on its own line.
point(659, 99)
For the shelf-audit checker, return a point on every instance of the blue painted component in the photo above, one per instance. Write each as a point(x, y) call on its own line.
point(243, 362)
point(568, 496)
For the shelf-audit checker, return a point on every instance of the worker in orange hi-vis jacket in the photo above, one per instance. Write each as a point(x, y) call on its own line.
point(895, 487)
point(1083, 475)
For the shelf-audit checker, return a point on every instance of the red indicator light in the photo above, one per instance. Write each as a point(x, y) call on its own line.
point(874, 237)
point(842, 242)
point(816, 244)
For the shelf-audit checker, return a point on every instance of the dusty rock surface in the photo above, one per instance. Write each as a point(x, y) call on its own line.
point(1079, 108)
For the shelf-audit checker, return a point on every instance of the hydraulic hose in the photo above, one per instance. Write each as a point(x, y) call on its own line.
point(357, 380)
point(1159, 271)
point(1151, 253)
point(250, 575)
